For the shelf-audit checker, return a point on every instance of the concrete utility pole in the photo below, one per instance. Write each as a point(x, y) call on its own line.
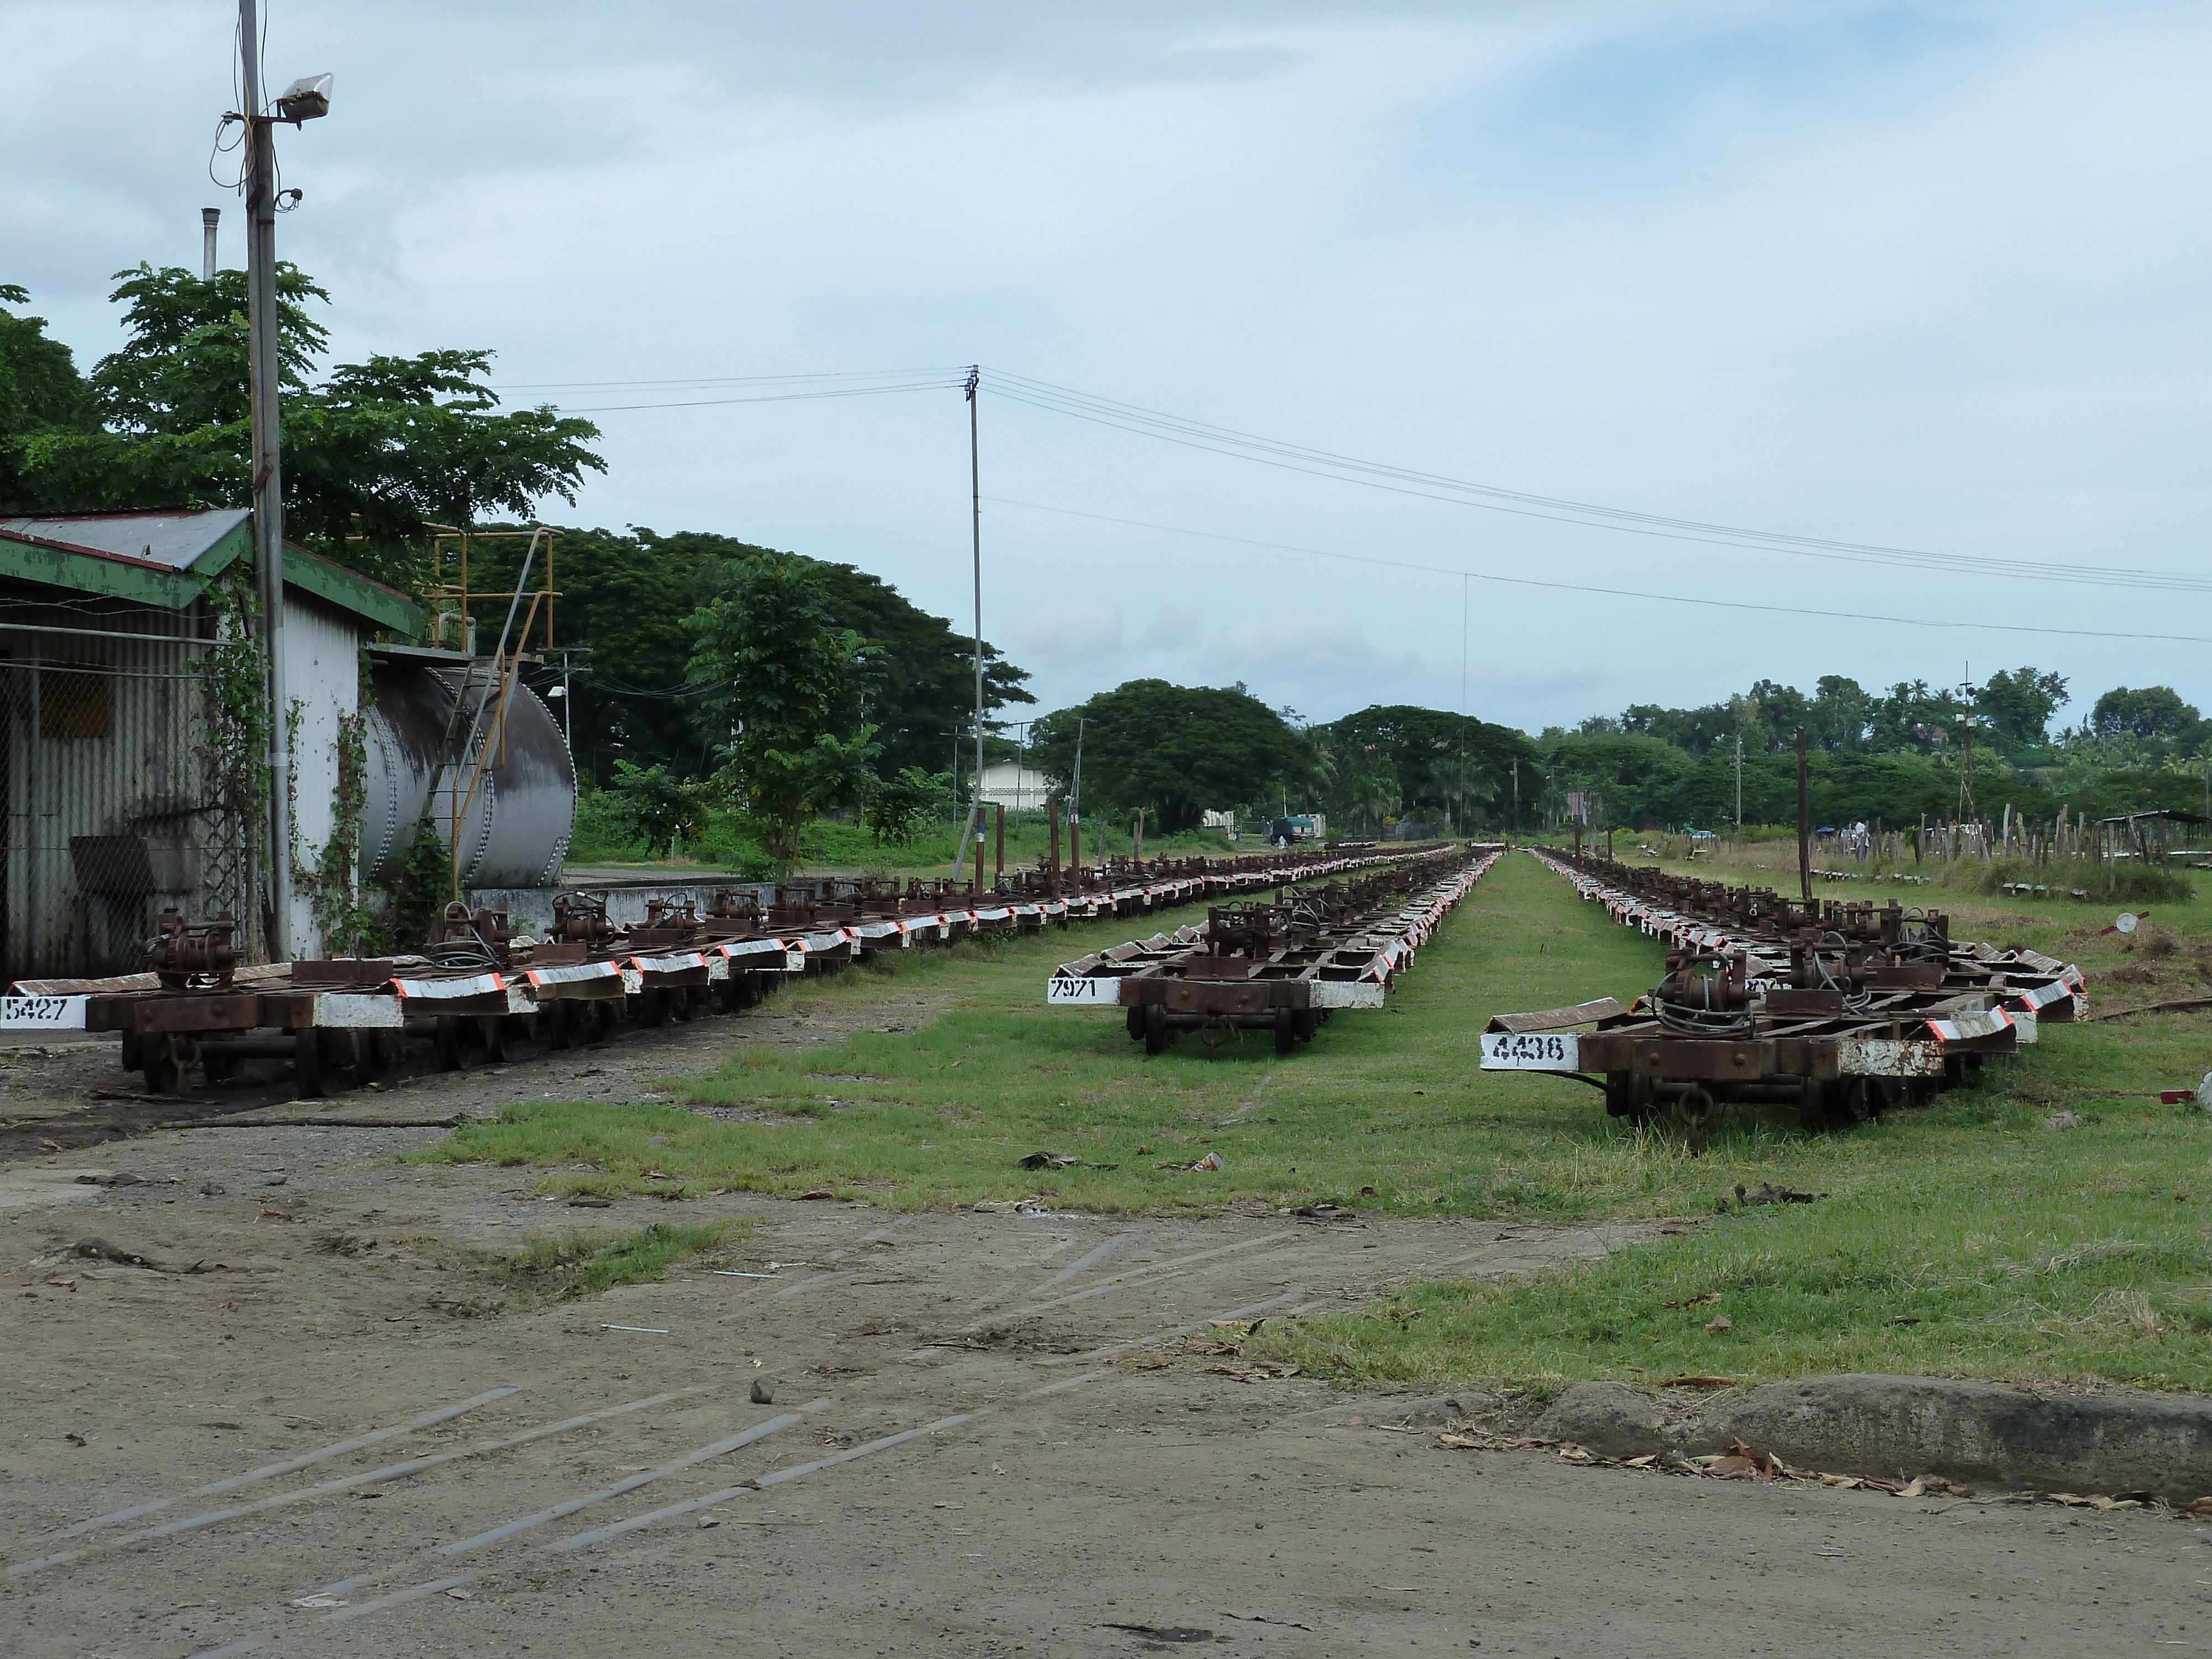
point(267, 365)
point(1804, 824)
point(1739, 785)
point(975, 491)
point(209, 218)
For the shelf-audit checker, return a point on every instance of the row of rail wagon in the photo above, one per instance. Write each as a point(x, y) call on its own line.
point(479, 992)
point(1838, 1009)
point(1282, 965)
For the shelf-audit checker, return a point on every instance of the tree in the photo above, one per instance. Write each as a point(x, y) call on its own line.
point(1461, 784)
point(770, 666)
point(1839, 715)
point(1175, 752)
point(2155, 711)
point(627, 595)
point(41, 390)
point(374, 456)
point(652, 806)
point(905, 803)
point(2018, 704)
point(1414, 742)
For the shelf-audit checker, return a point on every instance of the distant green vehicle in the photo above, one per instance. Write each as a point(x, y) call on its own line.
point(1281, 832)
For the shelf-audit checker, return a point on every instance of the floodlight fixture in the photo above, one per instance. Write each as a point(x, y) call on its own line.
point(305, 99)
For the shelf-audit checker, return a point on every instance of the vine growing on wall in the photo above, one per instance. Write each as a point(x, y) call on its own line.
point(233, 677)
point(333, 883)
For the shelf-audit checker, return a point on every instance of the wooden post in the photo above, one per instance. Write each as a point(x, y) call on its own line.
point(1052, 861)
point(1136, 840)
point(1804, 823)
point(998, 874)
point(1075, 844)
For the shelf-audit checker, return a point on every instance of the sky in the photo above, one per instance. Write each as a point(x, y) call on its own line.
point(1923, 276)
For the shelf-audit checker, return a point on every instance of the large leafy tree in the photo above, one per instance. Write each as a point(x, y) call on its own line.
point(770, 667)
point(2017, 705)
point(1173, 752)
point(41, 390)
point(628, 596)
point(374, 455)
point(2153, 711)
point(1432, 759)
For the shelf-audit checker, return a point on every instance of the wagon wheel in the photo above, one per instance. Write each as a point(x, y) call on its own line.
point(1135, 1020)
point(679, 1004)
point(371, 1060)
point(1697, 1109)
point(591, 1019)
point(1812, 1105)
point(217, 1068)
point(1156, 1028)
point(308, 1062)
point(1286, 1029)
point(555, 1020)
point(455, 1051)
point(652, 1008)
point(1307, 1024)
point(1854, 1100)
point(131, 1042)
point(164, 1067)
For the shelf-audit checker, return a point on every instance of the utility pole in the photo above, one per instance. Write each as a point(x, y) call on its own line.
point(976, 495)
point(267, 359)
point(1075, 801)
point(1804, 824)
point(1739, 785)
point(1517, 798)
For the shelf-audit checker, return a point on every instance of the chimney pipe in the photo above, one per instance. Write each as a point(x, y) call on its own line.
point(209, 218)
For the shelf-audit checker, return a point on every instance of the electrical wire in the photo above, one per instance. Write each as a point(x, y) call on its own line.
point(1397, 480)
point(767, 398)
point(1584, 589)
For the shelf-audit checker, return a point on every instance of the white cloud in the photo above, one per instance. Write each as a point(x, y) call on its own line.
point(1912, 273)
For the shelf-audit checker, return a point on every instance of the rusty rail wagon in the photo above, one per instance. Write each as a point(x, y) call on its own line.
point(1283, 965)
point(479, 992)
point(1837, 1009)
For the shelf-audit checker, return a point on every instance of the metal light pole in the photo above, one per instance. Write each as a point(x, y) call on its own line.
point(268, 486)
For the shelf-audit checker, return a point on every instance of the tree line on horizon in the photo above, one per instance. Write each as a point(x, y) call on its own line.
point(720, 672)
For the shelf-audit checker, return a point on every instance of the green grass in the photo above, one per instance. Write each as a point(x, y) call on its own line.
point(1389, 1099)
point(2019, 1251)
point(569, 1267)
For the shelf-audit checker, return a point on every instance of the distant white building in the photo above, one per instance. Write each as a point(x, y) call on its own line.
point(1217, 821)
point(1015, 786)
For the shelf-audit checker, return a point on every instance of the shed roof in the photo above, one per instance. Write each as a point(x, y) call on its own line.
point(167, 559)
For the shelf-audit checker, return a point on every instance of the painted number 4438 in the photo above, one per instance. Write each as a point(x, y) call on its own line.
point(1532, 1051)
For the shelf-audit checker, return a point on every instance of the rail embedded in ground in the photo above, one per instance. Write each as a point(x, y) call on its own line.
point(1837, 1009)
point(476, 993)
point(1283, 965)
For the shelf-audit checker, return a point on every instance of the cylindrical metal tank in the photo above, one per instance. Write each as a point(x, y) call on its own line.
point(516, 811)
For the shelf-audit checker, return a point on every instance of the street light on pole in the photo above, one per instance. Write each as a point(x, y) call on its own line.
point(305, 99)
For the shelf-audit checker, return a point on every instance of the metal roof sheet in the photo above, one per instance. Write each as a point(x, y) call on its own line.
point(173, 541)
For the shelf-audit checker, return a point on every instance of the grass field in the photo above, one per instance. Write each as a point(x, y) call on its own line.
point(1965, 1238)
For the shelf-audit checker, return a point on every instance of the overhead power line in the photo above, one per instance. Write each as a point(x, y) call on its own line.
point(1585, 589)
point(1283, 455)
point(1406, 481)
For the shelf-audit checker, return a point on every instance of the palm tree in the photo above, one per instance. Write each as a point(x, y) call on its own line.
point(1461, 783)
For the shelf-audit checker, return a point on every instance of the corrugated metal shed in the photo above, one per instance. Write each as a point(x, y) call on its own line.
point(113, 811)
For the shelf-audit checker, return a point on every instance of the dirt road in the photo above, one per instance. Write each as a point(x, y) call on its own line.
point(987, 1437)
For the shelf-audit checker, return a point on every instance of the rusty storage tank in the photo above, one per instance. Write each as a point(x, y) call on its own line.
point(517, 810)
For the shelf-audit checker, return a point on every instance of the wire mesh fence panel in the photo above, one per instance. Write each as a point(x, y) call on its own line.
point(117, 804)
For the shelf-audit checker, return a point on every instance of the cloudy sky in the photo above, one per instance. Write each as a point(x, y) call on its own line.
point(1922, 276)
